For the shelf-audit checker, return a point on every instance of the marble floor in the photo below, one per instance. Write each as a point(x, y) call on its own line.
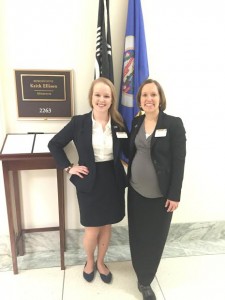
point(192, 267)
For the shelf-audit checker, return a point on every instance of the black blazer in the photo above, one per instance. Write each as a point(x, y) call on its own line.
point(79, 130)
point(167, 153)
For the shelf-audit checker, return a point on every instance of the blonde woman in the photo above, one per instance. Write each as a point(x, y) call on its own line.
point(100, 137)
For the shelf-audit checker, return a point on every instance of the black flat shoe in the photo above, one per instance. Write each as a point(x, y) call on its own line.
point(89, 276)
point(105, 278)
point(147, 292)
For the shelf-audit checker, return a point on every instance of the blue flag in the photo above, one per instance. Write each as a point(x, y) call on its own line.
point(103, 56)
point(135, 62)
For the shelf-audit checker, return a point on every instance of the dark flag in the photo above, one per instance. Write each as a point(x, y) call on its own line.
point(135, 62)
point(103, 61)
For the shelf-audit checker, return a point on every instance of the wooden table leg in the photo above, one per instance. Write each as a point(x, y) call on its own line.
point(61, 205)
point(18, 213)
point(10, 217)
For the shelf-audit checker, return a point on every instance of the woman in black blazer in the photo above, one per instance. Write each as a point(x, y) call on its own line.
point(99, 177)
point(155, 172)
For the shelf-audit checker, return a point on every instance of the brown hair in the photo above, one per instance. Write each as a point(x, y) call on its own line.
point(162, 97)
point(115, 115)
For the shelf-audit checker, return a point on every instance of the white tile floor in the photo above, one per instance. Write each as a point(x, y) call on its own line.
point(180, 278)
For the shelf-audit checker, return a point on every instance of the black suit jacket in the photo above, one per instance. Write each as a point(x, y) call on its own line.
point(79, 130)
point(167, 153)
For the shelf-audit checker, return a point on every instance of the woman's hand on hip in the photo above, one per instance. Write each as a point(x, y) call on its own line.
point(79, 171)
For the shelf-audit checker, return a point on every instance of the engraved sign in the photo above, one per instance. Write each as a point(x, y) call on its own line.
point(44, 94)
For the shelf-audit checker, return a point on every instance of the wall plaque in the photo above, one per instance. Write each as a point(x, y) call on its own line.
point(44, 94)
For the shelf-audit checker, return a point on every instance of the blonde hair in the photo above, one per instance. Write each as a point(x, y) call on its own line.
point(115, 115)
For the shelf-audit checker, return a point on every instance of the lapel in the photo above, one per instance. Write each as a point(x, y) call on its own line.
point(135, 128)
point(137, 124)
point(115, 128)
point(158, 126)
point(86, 134)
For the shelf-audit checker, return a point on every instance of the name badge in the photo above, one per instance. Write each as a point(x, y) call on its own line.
point(160, 132)
point(121, 135)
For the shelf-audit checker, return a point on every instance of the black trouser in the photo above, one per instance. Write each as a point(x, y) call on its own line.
point(149, 224)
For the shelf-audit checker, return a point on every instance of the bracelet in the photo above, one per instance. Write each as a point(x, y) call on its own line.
point(68, 169)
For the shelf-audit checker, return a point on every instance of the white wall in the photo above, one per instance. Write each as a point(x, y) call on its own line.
point(3, 213)
point(186, 55)
point(186, 49)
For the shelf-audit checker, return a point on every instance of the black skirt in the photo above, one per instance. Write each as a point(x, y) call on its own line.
point(105, 204)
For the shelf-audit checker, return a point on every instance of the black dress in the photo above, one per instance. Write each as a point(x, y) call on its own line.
point(105, 204)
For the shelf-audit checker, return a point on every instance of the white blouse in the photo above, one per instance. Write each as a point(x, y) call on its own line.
point(102, 141)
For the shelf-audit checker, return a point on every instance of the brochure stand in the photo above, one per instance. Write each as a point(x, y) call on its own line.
point(28, 152)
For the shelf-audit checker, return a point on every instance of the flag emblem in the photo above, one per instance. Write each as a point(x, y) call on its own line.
point(128, 72)
point(135, 62)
